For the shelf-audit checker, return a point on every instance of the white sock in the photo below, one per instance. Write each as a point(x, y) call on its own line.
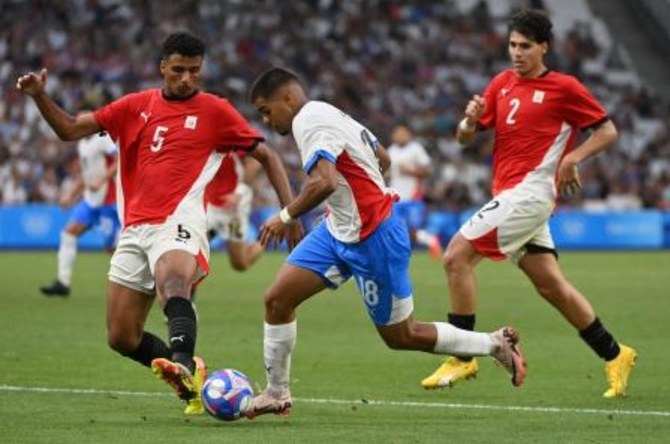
point(278, 343)
point(67, 253)
point(454, 341)
point(423, 237)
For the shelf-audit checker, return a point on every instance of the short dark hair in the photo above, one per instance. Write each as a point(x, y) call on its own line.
point(267, 82)
point(184, 44)
point(533, 24)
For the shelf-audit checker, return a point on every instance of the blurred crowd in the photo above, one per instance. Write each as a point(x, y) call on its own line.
point(383, 61)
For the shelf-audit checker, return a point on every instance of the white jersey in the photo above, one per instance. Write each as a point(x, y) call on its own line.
point(95, 154)
point(412, 154)
point(361, 200)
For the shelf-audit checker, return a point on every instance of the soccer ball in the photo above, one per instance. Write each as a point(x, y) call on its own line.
point(227, 394)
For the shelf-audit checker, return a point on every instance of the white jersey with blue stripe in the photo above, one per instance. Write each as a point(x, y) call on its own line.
point(361, 200)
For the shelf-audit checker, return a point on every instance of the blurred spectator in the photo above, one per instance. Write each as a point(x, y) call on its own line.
point(383, 61)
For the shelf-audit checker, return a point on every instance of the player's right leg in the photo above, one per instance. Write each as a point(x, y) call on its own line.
point(309, 269)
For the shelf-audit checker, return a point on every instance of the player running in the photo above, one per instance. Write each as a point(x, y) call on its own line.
point(537, 114)
point(98, 162)
point(361, 236)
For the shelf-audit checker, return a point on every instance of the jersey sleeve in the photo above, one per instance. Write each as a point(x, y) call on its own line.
point(581, 108)
point(488, 119)
point(112, 116)
point(316, 140)
point(234, 132)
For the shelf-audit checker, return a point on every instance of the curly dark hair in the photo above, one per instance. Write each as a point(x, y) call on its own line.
point(534, 24)
point(184, 44)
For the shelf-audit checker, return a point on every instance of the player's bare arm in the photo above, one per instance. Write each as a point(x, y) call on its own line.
point(467, 128)
point(601, 138)
point(384, 159)
point(274, 168)
point(320, 183)
point(66, 126)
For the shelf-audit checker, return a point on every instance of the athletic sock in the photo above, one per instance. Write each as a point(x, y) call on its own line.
point(67, 253)
point(278, 344)
point(182, 330)
point(600, 340)
point(464, 322)
point(458, 342)
point(423, 237)
point(150, 348)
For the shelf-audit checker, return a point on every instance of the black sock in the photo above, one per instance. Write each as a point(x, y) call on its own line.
point(600, 340)
point(150, 348)
point(464, 322)
point(182, 330)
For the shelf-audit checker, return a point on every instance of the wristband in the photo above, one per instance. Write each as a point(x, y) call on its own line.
point(285, 217)
point(465, 126)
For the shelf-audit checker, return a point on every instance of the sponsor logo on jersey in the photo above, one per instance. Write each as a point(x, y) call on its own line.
point(145, 116)
point(538, 96)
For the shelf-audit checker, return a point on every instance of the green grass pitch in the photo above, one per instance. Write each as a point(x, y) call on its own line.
point(59, 383)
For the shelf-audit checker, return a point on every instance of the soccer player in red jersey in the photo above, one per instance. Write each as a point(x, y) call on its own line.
point(171, 142)
point(537, 114)
point(229, 200)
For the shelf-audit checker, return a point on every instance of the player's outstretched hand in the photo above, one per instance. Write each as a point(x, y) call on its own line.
point(31, 83)
point(272, 232)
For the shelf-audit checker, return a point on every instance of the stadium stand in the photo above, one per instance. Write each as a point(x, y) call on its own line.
point(384, 61)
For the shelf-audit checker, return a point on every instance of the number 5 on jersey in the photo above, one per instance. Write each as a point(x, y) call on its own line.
point(158, 138)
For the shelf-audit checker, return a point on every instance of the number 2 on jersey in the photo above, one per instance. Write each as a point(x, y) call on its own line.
point(514, 104)
point(158, 138)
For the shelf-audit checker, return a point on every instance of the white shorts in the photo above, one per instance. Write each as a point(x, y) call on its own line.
point(232, 224)
point(134, 261)
point(508, 223)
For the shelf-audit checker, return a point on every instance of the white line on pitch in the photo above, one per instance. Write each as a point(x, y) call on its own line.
point(509, 408)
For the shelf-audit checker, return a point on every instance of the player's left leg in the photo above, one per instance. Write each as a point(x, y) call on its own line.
point(178, 256)
point(541, 267)
point(445, 339)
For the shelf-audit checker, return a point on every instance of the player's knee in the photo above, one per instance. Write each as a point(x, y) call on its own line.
point(174, 285)
point(239, 264)
point(451, 262)
point(276, 304)
point(398, 340)
point(120, 342)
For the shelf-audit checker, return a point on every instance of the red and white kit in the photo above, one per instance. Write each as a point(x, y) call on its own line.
point(536, 122)
point(229, 200)
point(169, 151)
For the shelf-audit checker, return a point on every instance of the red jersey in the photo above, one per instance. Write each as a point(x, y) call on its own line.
point(536, 122)
point(169, 150)
point(225, 180)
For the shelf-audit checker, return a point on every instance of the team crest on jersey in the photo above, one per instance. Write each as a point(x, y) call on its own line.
point(190, 122)
point(538, 96)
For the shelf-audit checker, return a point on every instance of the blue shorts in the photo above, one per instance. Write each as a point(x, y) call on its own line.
point(105, 216)
point(379, 264)
point(412, 212)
